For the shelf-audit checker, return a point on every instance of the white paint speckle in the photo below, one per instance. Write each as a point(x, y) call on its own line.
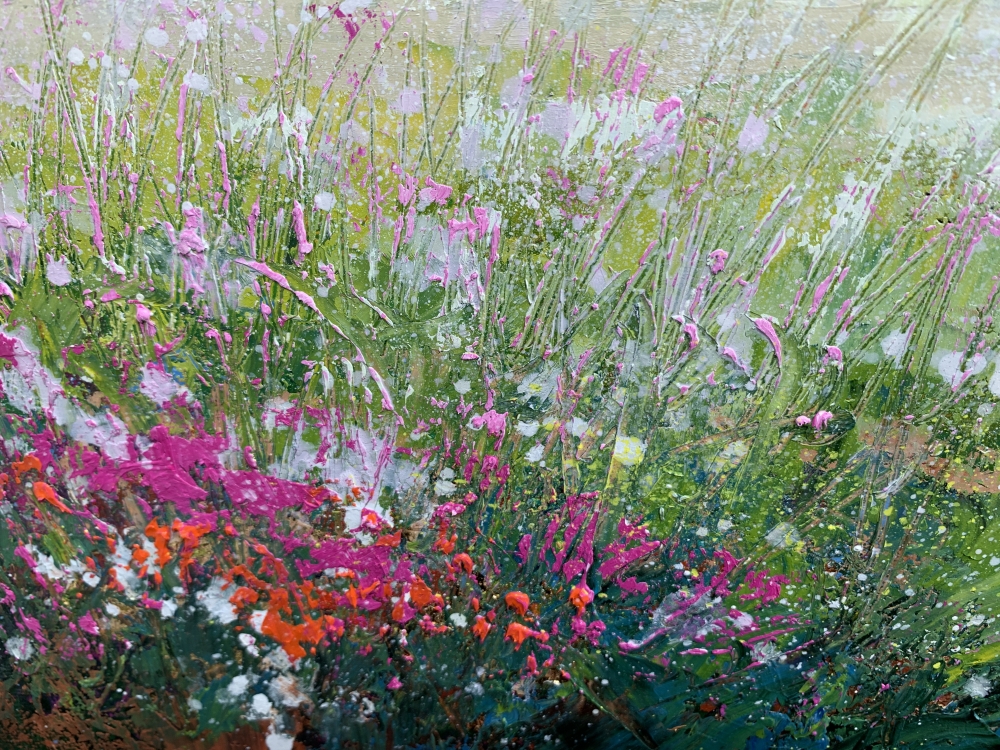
point(260, 707)
point(277, 741)
point(324, 201)
point(238, 686)
point(196, 30)
point(216, 601)
point(753, 135)
point(156, 37)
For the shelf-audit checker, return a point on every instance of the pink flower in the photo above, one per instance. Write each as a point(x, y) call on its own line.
point(495, 423)
point(718, 258)
point(821, 419)
point(87, 624)
point(143, 316)
point(665, 108)
point(448, 509)
point(435, 193)
point(691, 330)
point(767, 328)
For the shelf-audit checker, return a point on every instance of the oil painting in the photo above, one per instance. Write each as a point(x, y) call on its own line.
point(499, 374)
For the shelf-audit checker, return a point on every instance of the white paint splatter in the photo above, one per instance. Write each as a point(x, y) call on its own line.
point(216, 601)
point(753, 135)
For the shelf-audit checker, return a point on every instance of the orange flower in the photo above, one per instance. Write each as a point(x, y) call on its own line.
point(580, 596)
point(481, 628)
point(139, 555)
point(517, 601)
point(444, 544)
point(190, 534)
point(352, 595)
point(390, 540)
point(464, 561)
point(244, 596)
point(274, 627)
point(28, 463)
point(44, 492)
point(518, 633)
point(242, 570)
point(399, 611)
point(161, 538)
point(420, 593)
point(279, 601)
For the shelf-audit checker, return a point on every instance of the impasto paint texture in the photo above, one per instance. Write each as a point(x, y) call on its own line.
point(499, 374)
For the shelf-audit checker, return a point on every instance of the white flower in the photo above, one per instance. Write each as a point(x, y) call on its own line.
point(540, 385)
point(443, 488)
point(249, 643)
point(20, 648)
point(629, 451)
point(783, 535)
point(458, 619)
point(475, 688)
point(75, 56)
point(977, 687)
point(535, 454)
point(528, 429)
point(765, 652)
point(743, 621)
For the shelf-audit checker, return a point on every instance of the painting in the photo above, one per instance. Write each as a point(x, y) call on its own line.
point(499, 374)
